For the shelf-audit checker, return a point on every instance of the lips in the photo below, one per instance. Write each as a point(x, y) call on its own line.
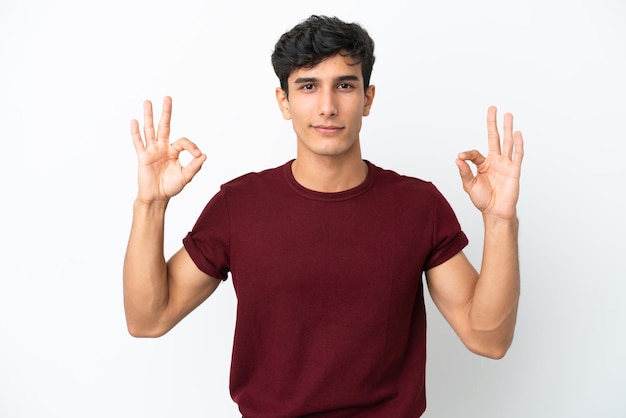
point(327, 129)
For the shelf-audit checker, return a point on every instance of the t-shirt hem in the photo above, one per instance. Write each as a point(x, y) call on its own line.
point(459, 242)
point(196, 256)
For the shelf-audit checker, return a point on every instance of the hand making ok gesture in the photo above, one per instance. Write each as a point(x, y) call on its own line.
point(161, 174)
point(494, 188)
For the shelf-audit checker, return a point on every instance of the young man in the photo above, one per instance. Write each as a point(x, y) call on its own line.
point(327, 252)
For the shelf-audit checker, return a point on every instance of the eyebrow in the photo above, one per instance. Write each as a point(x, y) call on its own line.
point(304, 80)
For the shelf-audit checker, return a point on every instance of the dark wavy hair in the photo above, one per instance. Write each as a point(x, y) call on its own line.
point(320, 37)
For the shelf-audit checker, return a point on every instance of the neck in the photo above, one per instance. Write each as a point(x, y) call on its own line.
point(329, 174)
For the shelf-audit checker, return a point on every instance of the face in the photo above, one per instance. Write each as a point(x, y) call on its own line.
point(326, 105)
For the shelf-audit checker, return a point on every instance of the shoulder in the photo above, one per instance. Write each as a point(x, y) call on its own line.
point(396, 182)
point(409, 191)
point(256, 179)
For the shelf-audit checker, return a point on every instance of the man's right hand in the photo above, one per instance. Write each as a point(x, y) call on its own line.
point(161, 174)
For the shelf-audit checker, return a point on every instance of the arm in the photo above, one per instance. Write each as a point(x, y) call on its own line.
point(158, 294)
point(482, 308)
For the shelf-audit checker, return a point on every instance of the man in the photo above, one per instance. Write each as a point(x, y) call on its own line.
point(327, 251)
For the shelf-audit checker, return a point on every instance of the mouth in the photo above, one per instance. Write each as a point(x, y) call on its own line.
point(327, 129)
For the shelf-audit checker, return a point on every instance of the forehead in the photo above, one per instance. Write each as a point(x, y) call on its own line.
point(330, 68)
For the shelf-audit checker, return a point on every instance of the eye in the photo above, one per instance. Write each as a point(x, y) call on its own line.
point(307, 87)
point(344, 86)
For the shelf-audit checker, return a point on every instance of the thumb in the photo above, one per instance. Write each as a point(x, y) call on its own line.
point(465, 172)
point(191, 169)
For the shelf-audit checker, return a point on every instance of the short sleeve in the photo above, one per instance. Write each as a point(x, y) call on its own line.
point(448, 239)
point(208, 242)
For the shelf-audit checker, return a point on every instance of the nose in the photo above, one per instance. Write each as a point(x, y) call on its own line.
point(327, 103)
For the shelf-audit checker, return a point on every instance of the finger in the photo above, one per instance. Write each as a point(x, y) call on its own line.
point(136, 135)
point(163, 133)
point(192, 168)
point(493, 137)
point(507, 143)
point(474, 156)
point(467, 177)
point(148, 122)
point(518, 155)
point(184, 144)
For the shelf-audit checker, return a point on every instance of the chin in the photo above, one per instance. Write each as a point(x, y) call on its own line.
point(334, 150)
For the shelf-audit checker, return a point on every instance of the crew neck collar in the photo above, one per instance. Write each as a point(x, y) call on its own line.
point(372, 171)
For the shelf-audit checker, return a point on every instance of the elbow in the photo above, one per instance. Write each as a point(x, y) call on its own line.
point(492, 339)
point(140, 333)
point(491, 346)
point(144, 331)
point(144, 323)
point(492, 352)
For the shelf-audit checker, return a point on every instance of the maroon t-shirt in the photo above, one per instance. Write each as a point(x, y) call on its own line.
point(330, 313)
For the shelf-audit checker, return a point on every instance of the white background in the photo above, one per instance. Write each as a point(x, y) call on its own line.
point(73, 74)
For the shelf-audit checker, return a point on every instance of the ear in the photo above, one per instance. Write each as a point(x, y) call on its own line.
point(283, 103)
point(370, 91)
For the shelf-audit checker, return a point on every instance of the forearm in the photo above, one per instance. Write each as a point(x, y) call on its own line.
point(497, 290)
point(145, 269)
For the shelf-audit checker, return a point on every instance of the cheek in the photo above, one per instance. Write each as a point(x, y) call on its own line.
point(299, 114)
